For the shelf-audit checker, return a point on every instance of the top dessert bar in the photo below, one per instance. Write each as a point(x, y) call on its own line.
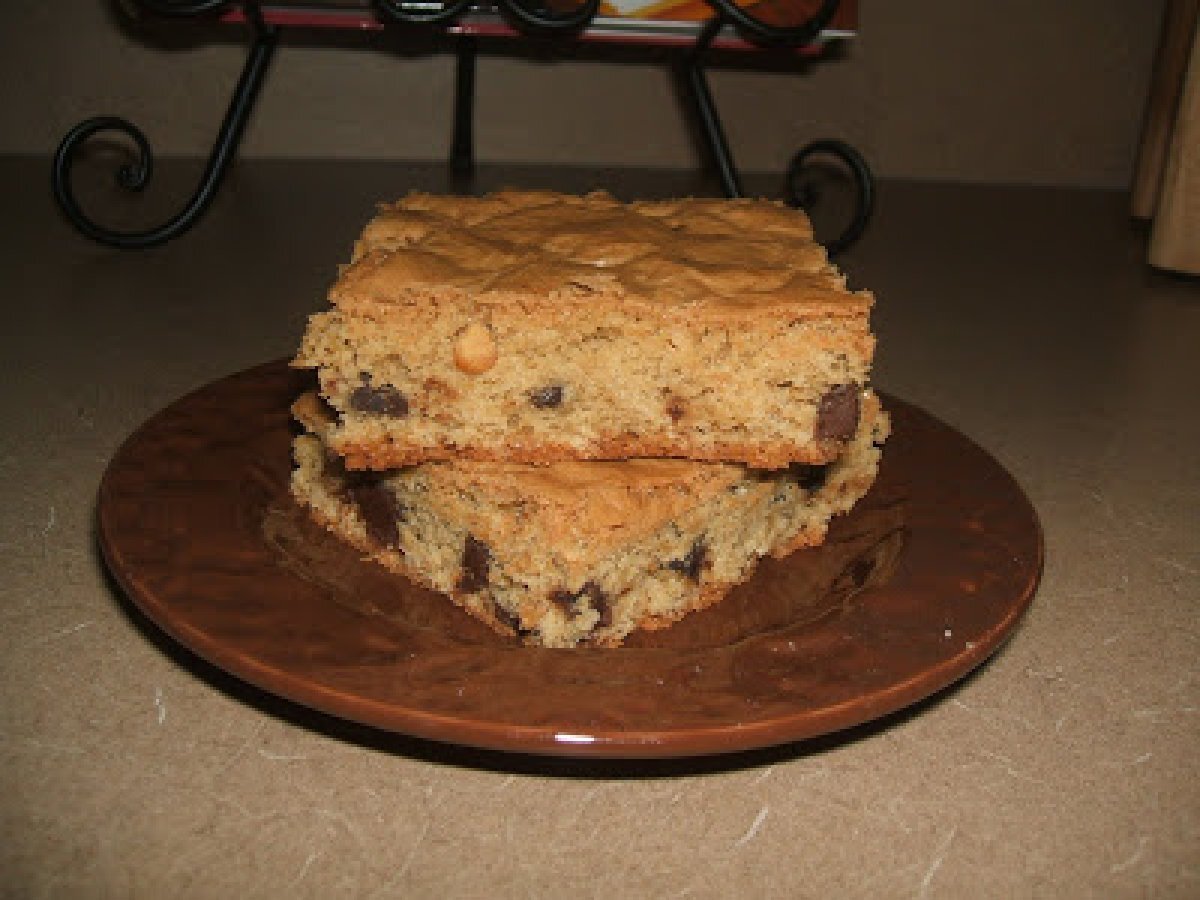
point(534, 327)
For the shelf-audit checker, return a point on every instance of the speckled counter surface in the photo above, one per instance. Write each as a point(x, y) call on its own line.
point(1065, 767)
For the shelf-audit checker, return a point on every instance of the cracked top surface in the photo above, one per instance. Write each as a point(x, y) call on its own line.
point(728, 257)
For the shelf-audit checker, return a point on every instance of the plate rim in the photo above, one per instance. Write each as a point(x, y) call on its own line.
point(540, 740)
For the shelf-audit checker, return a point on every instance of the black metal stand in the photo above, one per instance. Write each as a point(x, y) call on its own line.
point(137, 175)
point(696, 84)
point(534, 16)
point(799, 190)
point(462, 144)
point(805, 194)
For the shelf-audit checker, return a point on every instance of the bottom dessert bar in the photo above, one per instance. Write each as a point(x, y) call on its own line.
point(582, 552)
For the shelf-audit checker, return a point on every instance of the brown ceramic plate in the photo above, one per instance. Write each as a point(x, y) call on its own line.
point(915, 588)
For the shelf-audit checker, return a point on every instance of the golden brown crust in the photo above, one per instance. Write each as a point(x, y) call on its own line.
point(391, 453)
point(720, 260)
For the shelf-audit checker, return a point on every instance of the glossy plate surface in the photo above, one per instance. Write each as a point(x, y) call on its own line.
point(914, 589)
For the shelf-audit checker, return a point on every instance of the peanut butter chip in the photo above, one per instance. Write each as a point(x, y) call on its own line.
point(475, 349)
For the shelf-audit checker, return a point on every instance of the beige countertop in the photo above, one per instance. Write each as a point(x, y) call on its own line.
point(1064, 767)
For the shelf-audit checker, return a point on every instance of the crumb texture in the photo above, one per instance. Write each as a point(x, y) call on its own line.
point(578, 418)
point(531, 327)
point(583, 553)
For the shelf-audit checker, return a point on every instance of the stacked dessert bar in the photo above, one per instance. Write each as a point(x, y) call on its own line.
point(578, 417)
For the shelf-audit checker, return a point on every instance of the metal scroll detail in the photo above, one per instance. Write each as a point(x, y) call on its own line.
point(533, 16)
point(760, 32)
point(800, 189)
point(134, 176)
point(542, 17)
point(423, 12)
point(695, 80)
point(803, 192)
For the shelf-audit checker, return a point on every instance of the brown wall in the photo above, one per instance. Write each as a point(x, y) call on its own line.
point(1026, 91)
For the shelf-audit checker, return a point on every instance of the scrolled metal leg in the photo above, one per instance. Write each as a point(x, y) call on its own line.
point(695, 82)
point(803, 193)
point(775, 35)
point(800, 192)
point(136, 175)
point(462, 146)
point(541, 17)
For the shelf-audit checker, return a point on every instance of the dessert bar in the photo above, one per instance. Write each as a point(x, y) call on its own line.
point(533, 327)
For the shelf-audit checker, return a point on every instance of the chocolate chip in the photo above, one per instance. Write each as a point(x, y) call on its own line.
point(548, 397)
point(564, 600)
point(335, 466)
point(379, 509)
point(568, 601)
point(476, 561)
point(605, 608)
point(505, 618)
point(601, 603)
point(811, 478)
point(676, 408)
point(694, 562)
point(837, 413)
point(510, 620)
point(384, 400)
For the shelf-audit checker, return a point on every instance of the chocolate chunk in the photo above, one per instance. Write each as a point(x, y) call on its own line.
point(604, 607)
point(510, 620)
point(476, 561)
point(811, 478)
point(837, 413)
point(568, 601)
point(380, 511)
point(694, 562)
point(548, 397)
point(601, 603)
point(335, 466)
point(564, 600)
point(505, 618)
point(384, 400)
